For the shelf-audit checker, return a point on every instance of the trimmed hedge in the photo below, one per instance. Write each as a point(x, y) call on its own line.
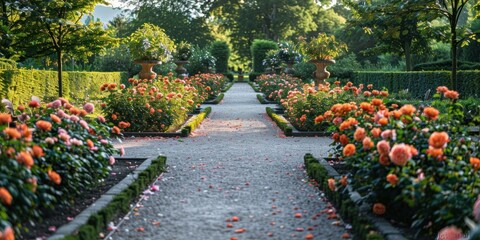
point(259, 51)
point(418, 83)
point(446, 65)
point(192, 125)
point(19, 85)
point(221, 52)
point(121, 203)
point(7, 64)
point(281, 122)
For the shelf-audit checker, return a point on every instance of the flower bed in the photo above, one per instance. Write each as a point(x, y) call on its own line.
point(49, 154)
point(276, 87)
point(412, 164)
point(209, 85)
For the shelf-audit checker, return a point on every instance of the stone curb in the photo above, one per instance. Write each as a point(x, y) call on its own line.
point(289, 130)
point(82, 218)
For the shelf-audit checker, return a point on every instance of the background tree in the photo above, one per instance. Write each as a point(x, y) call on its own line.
point(55, 27)
point(456, 13)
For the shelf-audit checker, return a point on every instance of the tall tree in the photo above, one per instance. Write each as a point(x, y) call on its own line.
point(396, 27)
point(454, 11)
point(55, 26)
point(247, 20)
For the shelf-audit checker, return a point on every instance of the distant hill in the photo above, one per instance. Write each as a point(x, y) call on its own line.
point(105, 13)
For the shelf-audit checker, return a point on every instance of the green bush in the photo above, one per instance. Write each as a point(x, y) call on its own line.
point(116, 59)
point(221, 52)
point(418, 83)
point(253, 75)
point(259, 51)
point(446, 65)
point(7, 64)
point(304, 71)
point(201, 61)
point(19, 85)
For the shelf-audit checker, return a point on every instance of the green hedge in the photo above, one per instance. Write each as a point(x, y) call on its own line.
point(259, 51)
point(7, 64)
point(281, 122)
point(18, 85)
point(221, 52)
point(192, 125)
point(446, 65)
point(418, 83)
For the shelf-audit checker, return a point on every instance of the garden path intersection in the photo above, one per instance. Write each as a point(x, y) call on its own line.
point(236, 164)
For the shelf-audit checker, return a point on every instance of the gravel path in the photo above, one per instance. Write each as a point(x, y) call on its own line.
point(236, 164)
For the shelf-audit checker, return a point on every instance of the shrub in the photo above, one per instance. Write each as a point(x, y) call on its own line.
point(446, 65)
point(116, 59)
point(149, 42)
point(67, 151)
point(7, 64)
point(201, 61)
point(415, 164)
point(304, 71)
point(221, 52)
point(148, 105)
point(183, 52)
point(277, 87)
point(259, 51)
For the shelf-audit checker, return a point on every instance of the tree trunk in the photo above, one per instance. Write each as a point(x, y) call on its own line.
point(453, 77)
point(59, 72)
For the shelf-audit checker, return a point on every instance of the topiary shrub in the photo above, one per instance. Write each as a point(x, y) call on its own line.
point(259, 51)
point(221, 52)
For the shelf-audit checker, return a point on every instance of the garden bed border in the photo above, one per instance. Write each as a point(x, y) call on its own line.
point(217, 100)
point(365, 224)
point(93, 220)
point(184, 131)
point(254, 86)
point(288, 129)
point(228, 86)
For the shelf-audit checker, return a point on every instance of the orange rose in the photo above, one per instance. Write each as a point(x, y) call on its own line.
point(475, 163)
point(451, 94)
point(116, 130)
point(408, 109)
point(376, 132)
point(90, 143)
point(344, 181)
point(397, 114)
point(435, 152)
point(359, 134)
point(442, 89)
point(12, 133)
point(5, 196)
point(344, 139)
point(400, 154)
point(349, 150)
point(38, 151)
point(331, 184)
point(123, 125)
point(5, 118)
point(377, 102)
point(114, 117)
point(74, 111)
point(383, 121)
point(335, 137)
point(367, 143)
point(383, 147)
point(44, 125)
point(54, 177)
point(319, 119)
point(25, 158)
point(379, 209)
point(55, 118)
point(431, 113)
point(392, 179)
point(438, 139)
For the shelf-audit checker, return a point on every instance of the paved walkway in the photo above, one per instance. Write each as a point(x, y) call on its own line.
point(236, 164)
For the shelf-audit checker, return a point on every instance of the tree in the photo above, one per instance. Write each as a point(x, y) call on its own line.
point(55, 27)
point(246, 20)
point(396, 27)
point(454, 12)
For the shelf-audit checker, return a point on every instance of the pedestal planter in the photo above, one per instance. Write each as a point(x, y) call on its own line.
point(180, 70)
point(321, 73)
point(147, 72)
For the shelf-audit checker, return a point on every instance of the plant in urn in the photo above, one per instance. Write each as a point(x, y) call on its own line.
point(181, 56)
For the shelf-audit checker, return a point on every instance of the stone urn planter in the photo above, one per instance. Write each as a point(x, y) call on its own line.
point(180, 70)
point(321, 73)
point(147, 72)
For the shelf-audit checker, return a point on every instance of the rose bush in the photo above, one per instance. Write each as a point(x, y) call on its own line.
point(276, 87)
point(148, 105)
point(209, 85)
point(417, 164)
point(304, 107)
point(48, 154)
